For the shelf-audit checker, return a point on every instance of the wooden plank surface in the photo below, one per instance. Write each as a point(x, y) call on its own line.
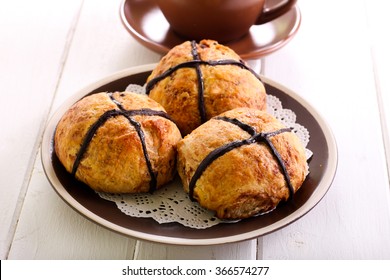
point(378, 22)
point(91, 55)
point(329, 64)
point(31, 62)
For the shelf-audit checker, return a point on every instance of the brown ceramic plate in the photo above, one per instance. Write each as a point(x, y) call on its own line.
point(146, 23)
point(322, 170)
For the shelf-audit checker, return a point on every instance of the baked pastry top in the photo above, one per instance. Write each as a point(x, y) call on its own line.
point(118, 142)
point(195, 82)
point(241, 163)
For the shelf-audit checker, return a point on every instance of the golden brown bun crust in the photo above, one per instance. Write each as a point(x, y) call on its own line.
point(225, 86)
point(246, 180)
point(114, 161)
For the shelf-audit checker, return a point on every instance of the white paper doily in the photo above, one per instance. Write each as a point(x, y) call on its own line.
point(171, 203)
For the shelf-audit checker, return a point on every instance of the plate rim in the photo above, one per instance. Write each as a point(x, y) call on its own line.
point(315, 198)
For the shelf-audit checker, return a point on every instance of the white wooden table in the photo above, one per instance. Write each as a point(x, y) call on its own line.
point(338, 62)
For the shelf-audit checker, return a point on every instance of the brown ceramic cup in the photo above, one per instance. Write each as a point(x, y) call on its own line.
point(221, 20)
